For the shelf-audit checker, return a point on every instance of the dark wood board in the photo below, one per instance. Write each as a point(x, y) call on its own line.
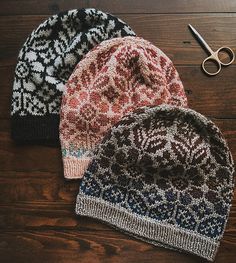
point(37, 218)
point(26, 7)
point(169, 32)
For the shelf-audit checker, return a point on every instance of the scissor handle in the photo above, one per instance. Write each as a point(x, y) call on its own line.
point(230, 53)
point(215, 59)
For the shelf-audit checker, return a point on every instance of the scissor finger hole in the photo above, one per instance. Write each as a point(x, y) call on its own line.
point(225, 56)
point(211, 66)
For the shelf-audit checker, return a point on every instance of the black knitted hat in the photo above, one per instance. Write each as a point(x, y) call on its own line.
point(164, 175)
point(45, 63)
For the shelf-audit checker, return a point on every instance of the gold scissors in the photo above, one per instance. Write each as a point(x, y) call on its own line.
point(214, 56)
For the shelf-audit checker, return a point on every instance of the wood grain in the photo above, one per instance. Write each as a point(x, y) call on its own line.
point(45, 212)
point(26, 7)
point(163, 6)
point(93, 246)
point(37, 218)
point(168, 32)
point(82, 246)
point(220, 89)
point(48, 159)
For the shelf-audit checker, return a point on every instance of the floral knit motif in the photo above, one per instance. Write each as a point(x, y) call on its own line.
point(47, 60)
point(113, 79)
point(167, 168)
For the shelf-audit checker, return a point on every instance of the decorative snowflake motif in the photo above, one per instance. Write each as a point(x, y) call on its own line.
point(22, 70)
point(48, 57)
point(51, 53)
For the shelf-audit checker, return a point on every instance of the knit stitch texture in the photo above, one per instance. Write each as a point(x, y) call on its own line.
point(165, 175)
point(45, 63)
point(113, 79)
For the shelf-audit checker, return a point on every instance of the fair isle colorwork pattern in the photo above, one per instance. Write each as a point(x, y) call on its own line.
point(116, 77)
point(164, 175)
point(46, 62)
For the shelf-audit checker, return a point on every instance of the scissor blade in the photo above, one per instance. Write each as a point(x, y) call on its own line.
point(200, 39)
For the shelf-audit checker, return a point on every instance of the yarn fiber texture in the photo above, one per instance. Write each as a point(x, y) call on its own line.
point(116, 77)
point(164, 175)
point(45, 63)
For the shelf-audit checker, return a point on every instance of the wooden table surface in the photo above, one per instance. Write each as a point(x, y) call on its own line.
point(37, 219)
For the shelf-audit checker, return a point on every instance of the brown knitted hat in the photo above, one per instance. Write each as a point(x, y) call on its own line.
point(165, 175)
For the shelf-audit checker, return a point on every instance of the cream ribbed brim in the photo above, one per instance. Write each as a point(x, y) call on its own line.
point(74, 168)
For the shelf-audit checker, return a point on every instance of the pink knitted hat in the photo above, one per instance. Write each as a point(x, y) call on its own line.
point(113, 79)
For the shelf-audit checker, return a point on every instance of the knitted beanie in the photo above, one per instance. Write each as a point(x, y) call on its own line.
point(165, 175)
point(45, 63)
point(113, 79)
